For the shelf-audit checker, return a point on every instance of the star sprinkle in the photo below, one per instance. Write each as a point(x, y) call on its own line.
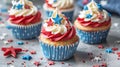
point(97, 58)
point(26, 57)
point(36, 63)
point(51, 62)
point(85, 8)
point(109, 50)
point(11, 51)
point(19, 6)
point(2, 38)
point(88, 16)
point(6, 42)
point(49, 22)
point(57, 20)
point(20, 43)
point(99, 6)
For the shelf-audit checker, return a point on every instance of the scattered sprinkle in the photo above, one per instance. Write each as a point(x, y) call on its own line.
point(26, 57)
point(109, 50)
point(114, 48)
point(33, 52)
point(51, 62)
point(100, 46)
point(36, 63)
point(20, 43)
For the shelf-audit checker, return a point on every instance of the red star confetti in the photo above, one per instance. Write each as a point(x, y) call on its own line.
point(27, 7)
point(33, 52)
point(36, 63)
point(11, 51)
point(10, 40)
point(50, 23)
point(51, 62)
point(114, 48)
point(100, 46)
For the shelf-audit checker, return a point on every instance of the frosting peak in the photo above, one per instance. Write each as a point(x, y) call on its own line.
point(94, 15)
point(23, 7)
point(23, 12)
point(58, 27)
point(94, 12)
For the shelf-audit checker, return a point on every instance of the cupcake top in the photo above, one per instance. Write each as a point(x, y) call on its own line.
point(61, 4)
point(58, 28)
point(93, 15)
point(23, 12)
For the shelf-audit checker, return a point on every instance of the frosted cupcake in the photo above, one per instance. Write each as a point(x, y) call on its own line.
point(65, 6)
point(93, 23)
point(58, 37)
point(24, 20)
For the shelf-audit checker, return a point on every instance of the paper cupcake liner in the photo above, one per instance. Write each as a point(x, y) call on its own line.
point(58, 52)
point(95, 37)
point(68, 14)
point(25, 32)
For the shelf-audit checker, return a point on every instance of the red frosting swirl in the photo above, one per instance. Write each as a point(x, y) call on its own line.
point(93, 24)
point(25, 20)
point(59, 37)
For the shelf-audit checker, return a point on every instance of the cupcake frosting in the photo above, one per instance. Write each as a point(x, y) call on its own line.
point(61, 4)
point(58, 28)
point(24, 12)
point(94, 15)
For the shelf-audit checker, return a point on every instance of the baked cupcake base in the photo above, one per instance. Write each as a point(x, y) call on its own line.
point(93, 37)
point(25, 32)
point(62, 51)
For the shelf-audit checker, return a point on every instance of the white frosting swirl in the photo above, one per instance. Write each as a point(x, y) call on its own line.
point(57, 28)
point(61, 4)
point(94, 11)
point(23, 12)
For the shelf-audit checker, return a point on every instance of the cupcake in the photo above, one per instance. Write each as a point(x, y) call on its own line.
point(24, 20)
point(93, 24)
point(66, 7)
point(58, 37)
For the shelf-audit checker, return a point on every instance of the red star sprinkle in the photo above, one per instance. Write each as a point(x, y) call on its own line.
point(36, 63)
point(100, 46)
point(114, 48)
point(11, 51)
point(51, 62)
point(50, 23)
point(27, 7)
point(33, 52)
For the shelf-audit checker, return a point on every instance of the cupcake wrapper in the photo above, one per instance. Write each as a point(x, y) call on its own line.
point(93, 37)
point(68, 14)
point(25, 32)
point(58, 52)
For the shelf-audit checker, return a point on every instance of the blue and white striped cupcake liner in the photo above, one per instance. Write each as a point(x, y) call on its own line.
point(68, 14)
point(58, 52)
point(25, 32)
point(93, 37)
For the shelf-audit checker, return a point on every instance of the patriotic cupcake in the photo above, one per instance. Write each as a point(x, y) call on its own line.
point(65, 6)
point(58, 37)
point(93, 23)
point(24, 20)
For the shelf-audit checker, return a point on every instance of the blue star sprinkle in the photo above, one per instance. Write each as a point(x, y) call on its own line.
point(57, 19)
point(54, 1)
point(88, 16)
point(109, 50)
point(85, 8)
point(20, 43)
point(26, 57)
point(99, 6)
point(19, 6)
